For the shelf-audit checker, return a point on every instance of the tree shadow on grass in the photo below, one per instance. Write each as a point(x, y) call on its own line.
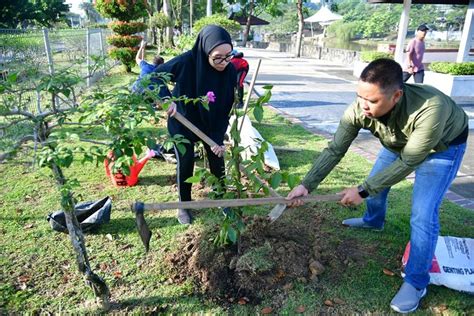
point(128, 225)
point(156, 305)
point(163, 180)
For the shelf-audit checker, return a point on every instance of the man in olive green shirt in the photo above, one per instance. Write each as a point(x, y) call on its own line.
point(421, 130)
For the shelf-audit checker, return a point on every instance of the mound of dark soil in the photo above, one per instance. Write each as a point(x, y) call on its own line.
point(270, 256)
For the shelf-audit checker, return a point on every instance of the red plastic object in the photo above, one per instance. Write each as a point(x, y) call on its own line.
point(121, 180)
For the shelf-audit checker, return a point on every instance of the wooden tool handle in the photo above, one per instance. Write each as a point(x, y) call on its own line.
point(180, 118)
point(236, 202)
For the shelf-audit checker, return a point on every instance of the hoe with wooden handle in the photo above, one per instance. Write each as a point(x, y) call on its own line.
point(139, 208)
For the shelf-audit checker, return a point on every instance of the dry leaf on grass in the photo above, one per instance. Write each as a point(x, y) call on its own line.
point(300, 309)
point(388, 272)
point(267, 310)
point(328, 303)
point(23, 278)
point(118, 274)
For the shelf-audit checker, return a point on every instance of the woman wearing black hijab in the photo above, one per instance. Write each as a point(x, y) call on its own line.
point(205, 68)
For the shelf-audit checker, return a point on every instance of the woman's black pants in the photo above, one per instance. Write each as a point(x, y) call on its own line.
point(185, 168)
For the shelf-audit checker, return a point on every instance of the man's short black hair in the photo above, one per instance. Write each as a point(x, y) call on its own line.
point(158, 60)
point(384, 72)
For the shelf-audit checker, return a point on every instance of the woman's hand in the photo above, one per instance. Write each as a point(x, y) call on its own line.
point(171, 109)
point(218, 150)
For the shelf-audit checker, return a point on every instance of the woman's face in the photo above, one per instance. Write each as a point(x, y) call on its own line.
point(220, 56)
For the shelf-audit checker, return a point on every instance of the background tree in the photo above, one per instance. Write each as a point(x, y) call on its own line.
point(14, 12)
point(256, 8)
point(20, 13)
point(91, 13)
point(48, 12)
point(124, 41)
point(299, 35)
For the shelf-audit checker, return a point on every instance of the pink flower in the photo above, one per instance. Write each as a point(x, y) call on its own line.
point(211, 96)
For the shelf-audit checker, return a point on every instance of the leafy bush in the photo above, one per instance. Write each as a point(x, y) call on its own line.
point(124, 40)
point(123, 10)
point(459, 69)
point(185, 42)
point(345, 31)
point(126, 55)
point(127, 28)
point(231, 26)
point(369, 56)
point(160, 20)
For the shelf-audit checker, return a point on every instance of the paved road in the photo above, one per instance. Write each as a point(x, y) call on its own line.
point(315, 93)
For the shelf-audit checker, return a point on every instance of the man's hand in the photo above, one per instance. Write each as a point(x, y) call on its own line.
point(351, 197)
point(296, 192)
point(171, 109)
point(218, 150)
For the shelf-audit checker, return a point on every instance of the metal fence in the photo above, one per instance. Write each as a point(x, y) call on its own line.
point(46, 51)
point(50, 50)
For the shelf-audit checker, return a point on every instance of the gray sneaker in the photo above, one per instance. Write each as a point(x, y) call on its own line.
point(359, 223)
point(184, 217)
point(407, 299)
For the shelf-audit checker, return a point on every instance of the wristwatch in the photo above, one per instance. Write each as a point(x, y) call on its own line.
point(362, 193)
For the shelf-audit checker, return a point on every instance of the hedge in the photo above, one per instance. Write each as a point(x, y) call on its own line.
point(458, 69)
point(127, 28)
point(124, 40)
point(368, 56)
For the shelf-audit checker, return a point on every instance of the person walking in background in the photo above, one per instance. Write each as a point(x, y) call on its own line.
point(423, 131)
point(242, 68)
point(145, 67)
point(414, 62)
point(204, 70)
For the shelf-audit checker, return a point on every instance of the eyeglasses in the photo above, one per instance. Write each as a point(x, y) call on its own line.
point(220, 60)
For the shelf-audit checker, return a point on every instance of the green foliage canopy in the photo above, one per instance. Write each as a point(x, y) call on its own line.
point(217, 19)
point(123, 10)
point(15, 13)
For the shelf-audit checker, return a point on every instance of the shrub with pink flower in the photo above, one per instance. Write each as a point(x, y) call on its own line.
point(211, 97)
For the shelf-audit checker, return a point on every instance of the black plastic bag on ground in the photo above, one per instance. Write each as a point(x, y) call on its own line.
point(89, 214)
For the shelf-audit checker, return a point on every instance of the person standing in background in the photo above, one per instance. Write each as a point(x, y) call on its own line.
point(414, 62)
point(242, 68)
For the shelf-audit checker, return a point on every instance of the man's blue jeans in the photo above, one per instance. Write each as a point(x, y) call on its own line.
point(432, 179)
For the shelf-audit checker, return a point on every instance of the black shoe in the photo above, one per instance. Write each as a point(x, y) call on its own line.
point(184, 217)
point(240, 105)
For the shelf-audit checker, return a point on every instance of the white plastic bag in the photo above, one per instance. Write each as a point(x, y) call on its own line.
point(250, 139)
point(453, 263)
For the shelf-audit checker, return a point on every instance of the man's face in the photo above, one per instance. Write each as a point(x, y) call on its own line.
point(374, 102)
point(421, 35)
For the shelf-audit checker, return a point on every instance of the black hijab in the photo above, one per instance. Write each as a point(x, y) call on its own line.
point(195, 77)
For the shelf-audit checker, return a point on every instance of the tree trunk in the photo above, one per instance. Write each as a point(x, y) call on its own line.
point(299, 35)
point(191, 16)
point(247, 26)
point(168, 31)
point(209, 8)
point(97, 284)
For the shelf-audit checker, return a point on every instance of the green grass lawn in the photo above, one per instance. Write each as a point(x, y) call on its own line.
point(39, 274)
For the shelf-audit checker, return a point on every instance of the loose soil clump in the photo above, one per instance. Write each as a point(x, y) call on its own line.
point(270, 256)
